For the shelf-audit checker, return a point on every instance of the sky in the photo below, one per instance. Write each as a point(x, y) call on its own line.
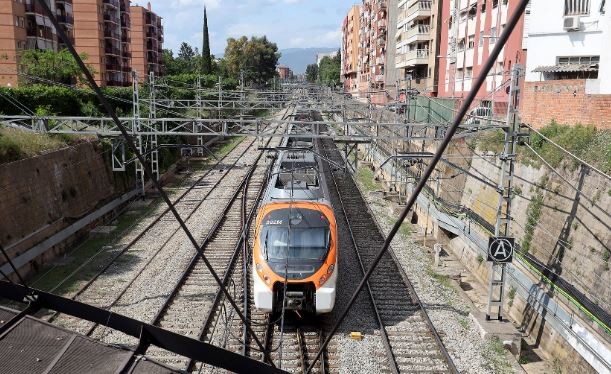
point(288, 23)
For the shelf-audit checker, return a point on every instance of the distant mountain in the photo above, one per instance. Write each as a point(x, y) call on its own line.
point(299, 58)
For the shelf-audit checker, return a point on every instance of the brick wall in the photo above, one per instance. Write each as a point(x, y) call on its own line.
point(566, 102)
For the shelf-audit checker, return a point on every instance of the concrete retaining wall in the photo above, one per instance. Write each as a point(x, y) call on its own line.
point(43, 195)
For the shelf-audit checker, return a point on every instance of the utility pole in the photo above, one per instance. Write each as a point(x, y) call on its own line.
point(198, 126)
point(136, 128)
point(242, 96)
point(220, 99)
point(153, 138)
point(496, 286)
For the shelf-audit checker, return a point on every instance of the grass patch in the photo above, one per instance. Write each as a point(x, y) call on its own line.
point(442, 279)
point(511, 296)
point(479, 259)
point(365, 177)
point(585, 141)
point(406, 229)
point(18, 144)
point(55, 273)
point(464, 322)
point(227, 146)
point(533, 213)
point(494, 353)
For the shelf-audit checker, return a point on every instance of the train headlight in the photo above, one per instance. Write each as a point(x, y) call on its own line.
point(266, 279)
point(330, 269)
point(259, 267)
point(323, 279)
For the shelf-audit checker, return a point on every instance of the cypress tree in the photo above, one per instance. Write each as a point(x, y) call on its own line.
point(206, 59)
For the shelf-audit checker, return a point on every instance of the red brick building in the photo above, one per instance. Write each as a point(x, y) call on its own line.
point(467, 38)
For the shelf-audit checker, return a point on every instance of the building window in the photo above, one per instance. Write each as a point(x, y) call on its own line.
point(20, 44)
point(493, 35)
point(576, 7)
point(471, 42)
point(581, 60)
point(461, 45)
point(19, 21)
point(459, 74)
point(483, 10)
point(495, 3)
point(469, 73)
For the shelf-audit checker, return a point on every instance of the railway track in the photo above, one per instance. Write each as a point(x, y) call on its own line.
point(118, 286)
point(411, 343)
point(147, 239)
point(193, 295)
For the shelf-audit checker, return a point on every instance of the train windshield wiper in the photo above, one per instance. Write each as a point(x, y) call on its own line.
point(265, 246)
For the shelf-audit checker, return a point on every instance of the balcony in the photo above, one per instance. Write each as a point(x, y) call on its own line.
point(125, 20)
point(112, 34)
point(34, 8)
point(420, 10)
point(418, 33)
point(66, 19)
point(40, 32)
point(379, 78)
point(112, 51)
point(33, 42)
point(382, 25)
point(112, 3)
point(111, 18)
point(417, 57)
point(113, 67)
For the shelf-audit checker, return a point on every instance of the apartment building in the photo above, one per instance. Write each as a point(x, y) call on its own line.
point(147, 41)
point(350, 49)
point(101, 32)
point(568, 75)
point(418, 43)
point(469, 32)
point(376, 66)
point(24, 25)
point(284, 72)
point(100, 29)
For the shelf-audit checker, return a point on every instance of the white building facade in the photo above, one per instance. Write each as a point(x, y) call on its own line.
point(570, 39)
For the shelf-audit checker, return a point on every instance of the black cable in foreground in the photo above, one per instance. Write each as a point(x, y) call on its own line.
point(110, 111)
point(15, 270)
point(511, 24)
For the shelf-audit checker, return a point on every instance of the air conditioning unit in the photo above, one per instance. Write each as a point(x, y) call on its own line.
point(571, 23)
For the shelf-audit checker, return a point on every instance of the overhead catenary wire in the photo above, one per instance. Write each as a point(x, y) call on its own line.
point(511, 24)
point(45, 7)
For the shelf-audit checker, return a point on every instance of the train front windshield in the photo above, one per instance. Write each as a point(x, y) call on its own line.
point(295, 234)
point(307, 244)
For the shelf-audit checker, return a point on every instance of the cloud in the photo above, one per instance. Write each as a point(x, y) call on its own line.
point(210, 4)
point(289, 23)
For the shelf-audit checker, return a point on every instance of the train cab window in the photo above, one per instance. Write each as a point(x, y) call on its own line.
point(305, 236)
point(295, 243)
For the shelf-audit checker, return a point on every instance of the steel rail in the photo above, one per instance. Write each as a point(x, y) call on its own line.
point(211, 232)
point(385, 339)
point(242, 242)
point(147, 170)
point(411, 289)
point(510, 25)
point(146, 229)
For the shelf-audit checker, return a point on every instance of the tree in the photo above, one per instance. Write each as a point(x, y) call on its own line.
point(257, 58)
point(330, 70)
point(186, 52)
point(312, 73)
point(206, 59)
point(48, 65)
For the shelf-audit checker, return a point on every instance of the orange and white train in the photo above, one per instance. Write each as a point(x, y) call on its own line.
point(295, 250)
